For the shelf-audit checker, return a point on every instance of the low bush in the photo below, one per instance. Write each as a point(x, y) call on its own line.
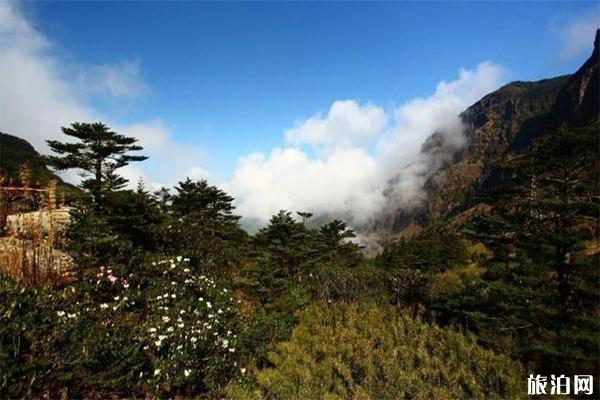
point(163, 329)
point(366, 351)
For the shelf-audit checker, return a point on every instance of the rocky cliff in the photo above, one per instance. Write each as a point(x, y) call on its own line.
point(505, 120)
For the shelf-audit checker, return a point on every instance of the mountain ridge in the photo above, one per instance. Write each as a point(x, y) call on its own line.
point(506, 120)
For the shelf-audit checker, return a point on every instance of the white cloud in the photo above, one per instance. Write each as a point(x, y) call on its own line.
point(359, 146)
point(577, 34)
point(39, 93)
point(363, 154)
point(34, 100)
point(341, 183)
point(420, 117)
point(400, 150)
point(120, 80)
point(347, 123)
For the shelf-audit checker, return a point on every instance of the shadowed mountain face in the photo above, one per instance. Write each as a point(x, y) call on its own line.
point(15, 153)
point(505, 120)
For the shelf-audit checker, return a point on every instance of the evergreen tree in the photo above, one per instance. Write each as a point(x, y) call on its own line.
point(99, 152)
point(334, 236)
point(200, 224)
point(287, 243)
point(542, 220)
point(335, 233)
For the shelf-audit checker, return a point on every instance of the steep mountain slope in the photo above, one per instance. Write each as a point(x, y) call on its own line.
point(505, 120)
point(14, 153)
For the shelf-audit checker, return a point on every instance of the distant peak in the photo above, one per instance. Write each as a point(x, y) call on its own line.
point(597, 41)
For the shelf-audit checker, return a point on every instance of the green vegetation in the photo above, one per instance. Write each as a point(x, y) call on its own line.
point(364, 351)
point(171, 297)
point(16, 152)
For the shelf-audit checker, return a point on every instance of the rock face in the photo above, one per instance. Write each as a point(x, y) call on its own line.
point(507, 119)
point(579, 101)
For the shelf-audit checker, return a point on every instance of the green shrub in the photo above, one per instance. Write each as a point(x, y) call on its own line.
point(365, 351)
point(333, 282)
point(163, 329)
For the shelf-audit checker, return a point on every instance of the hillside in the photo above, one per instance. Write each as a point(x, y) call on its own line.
point(16, 152)
point(165, 295)
point(504, 121)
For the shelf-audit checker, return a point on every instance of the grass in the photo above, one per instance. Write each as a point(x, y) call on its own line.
point(29, 251)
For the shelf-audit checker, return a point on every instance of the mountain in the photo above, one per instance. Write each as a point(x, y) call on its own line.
point(503, 121)
point(16, 152)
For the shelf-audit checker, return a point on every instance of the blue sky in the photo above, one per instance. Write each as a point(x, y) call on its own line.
point(232, 76)
point(212, 87)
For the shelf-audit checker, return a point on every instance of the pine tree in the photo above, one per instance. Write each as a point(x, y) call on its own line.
point(544, 216)
point(200, 224)
point(334, 236)
point(98, 153)
point(201, 198)
point(287, 243)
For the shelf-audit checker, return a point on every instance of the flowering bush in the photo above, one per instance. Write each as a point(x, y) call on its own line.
point(162, 329)
point(190, 330)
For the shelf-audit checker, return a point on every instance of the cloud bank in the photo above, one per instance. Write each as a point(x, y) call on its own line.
point(358, 150)
point(575, 34)
point(39, 93)
point(336, 163)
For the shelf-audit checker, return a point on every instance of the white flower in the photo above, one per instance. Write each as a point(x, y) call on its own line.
point(180, 325)
point(152, 330)
point(141, 374)
point(116, 298)
point(173, 296)
point(170, 329)
point(208, 304)
point(220, 311)
point(165, 319)
point(158, 343)
point(200, 299)
point(60, 313)
point(193, 339)
point(243, 370)
point(179, 258)
point(186, 270)
point(182, 312)
point(186, 260)
point(187, 372)
point(103, 305)
point(232, 350)
point(157, 371)
point(172, 266)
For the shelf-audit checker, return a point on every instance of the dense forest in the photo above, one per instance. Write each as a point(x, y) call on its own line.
point(169, 296)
